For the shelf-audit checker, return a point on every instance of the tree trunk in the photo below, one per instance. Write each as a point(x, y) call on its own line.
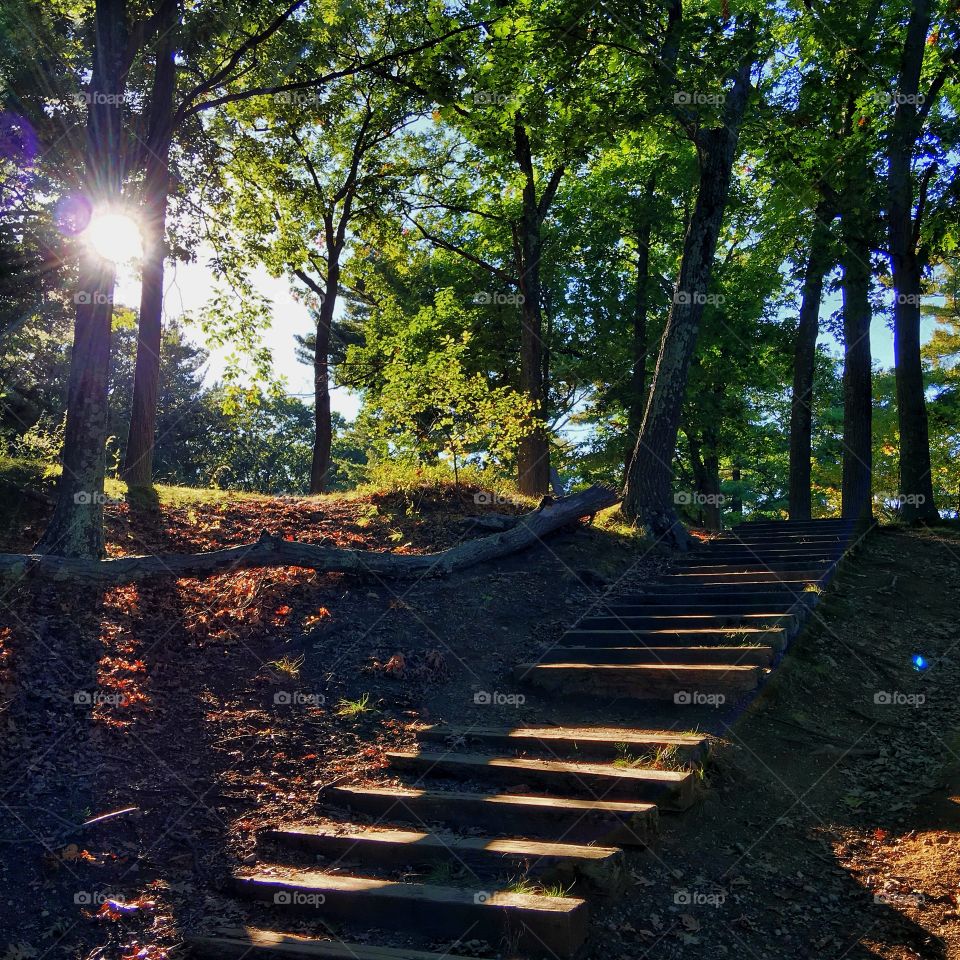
point(916, 482)
point(323, 431)
point(706, 473)
point(533, 455)
point(647, 495)
point(76, 527)
point(857, 375)
point(804, 361)
point(736, 501)
point(641, 308)
point(138, 457)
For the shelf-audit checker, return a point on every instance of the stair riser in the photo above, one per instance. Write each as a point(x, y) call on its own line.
point(575, 748)
point(639, 640)
point(554, 822)
point(716, 688)
point(578, 784)
point(687, 655)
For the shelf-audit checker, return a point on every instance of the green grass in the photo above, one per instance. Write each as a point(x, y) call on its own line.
point(288, 666)
point(354, 708)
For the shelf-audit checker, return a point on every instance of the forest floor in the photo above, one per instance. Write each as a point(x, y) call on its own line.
point(830, 829)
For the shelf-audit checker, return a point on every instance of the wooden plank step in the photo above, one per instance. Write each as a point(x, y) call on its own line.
point(783, 621)
point(702, 564)
point(601, 869)
point(736, 608)
point(238, 943)
point(645, 681)
point(615, 635)
point(672, 788)
point(594, 742)
point(541, 925)
point(617, 822)
point(697, 593)
point(749, 576)
point(682, 584)
point(760, 656)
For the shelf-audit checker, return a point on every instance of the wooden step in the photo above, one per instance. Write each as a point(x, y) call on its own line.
point(542, 925)
point(601, 869)
point(703, 564)
point(720, 684)
point(615, 634)
point(571, 742)
point(238, 943)
point(751, 655)
point(593, 781)
point(684, 585)
point(719, 594)
point(745, 576)
point(757, 621)
point(560, 818)
point(679, 607)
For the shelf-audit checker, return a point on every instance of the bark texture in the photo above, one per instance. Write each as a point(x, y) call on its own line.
point(804, 359)
point(916, 481)
point(76, 527)
point(647, 496)
point(138, 457)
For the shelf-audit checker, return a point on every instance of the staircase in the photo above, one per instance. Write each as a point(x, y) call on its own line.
point(514, 829)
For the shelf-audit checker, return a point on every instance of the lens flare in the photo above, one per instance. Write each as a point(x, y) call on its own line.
point(920, 662)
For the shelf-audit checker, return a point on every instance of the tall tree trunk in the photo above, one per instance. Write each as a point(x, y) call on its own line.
point(706, 473)
point(736, 501)
point(916, 481)
point(138, 457)
point(323, 430)
point(857, 375)
point(804, 361)
point(647, 493)
point(533, 455)
point(641, 309)
point(76, 527)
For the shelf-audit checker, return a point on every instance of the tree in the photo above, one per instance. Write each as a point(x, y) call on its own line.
point(908, 254)
point(647, 495)
point(76, 527)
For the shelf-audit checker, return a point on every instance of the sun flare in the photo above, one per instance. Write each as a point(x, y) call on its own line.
point(114, 236)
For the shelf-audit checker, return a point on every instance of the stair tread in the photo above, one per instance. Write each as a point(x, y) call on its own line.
point(447, 840)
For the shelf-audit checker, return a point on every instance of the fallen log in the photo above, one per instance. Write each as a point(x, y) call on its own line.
point(272, 551)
